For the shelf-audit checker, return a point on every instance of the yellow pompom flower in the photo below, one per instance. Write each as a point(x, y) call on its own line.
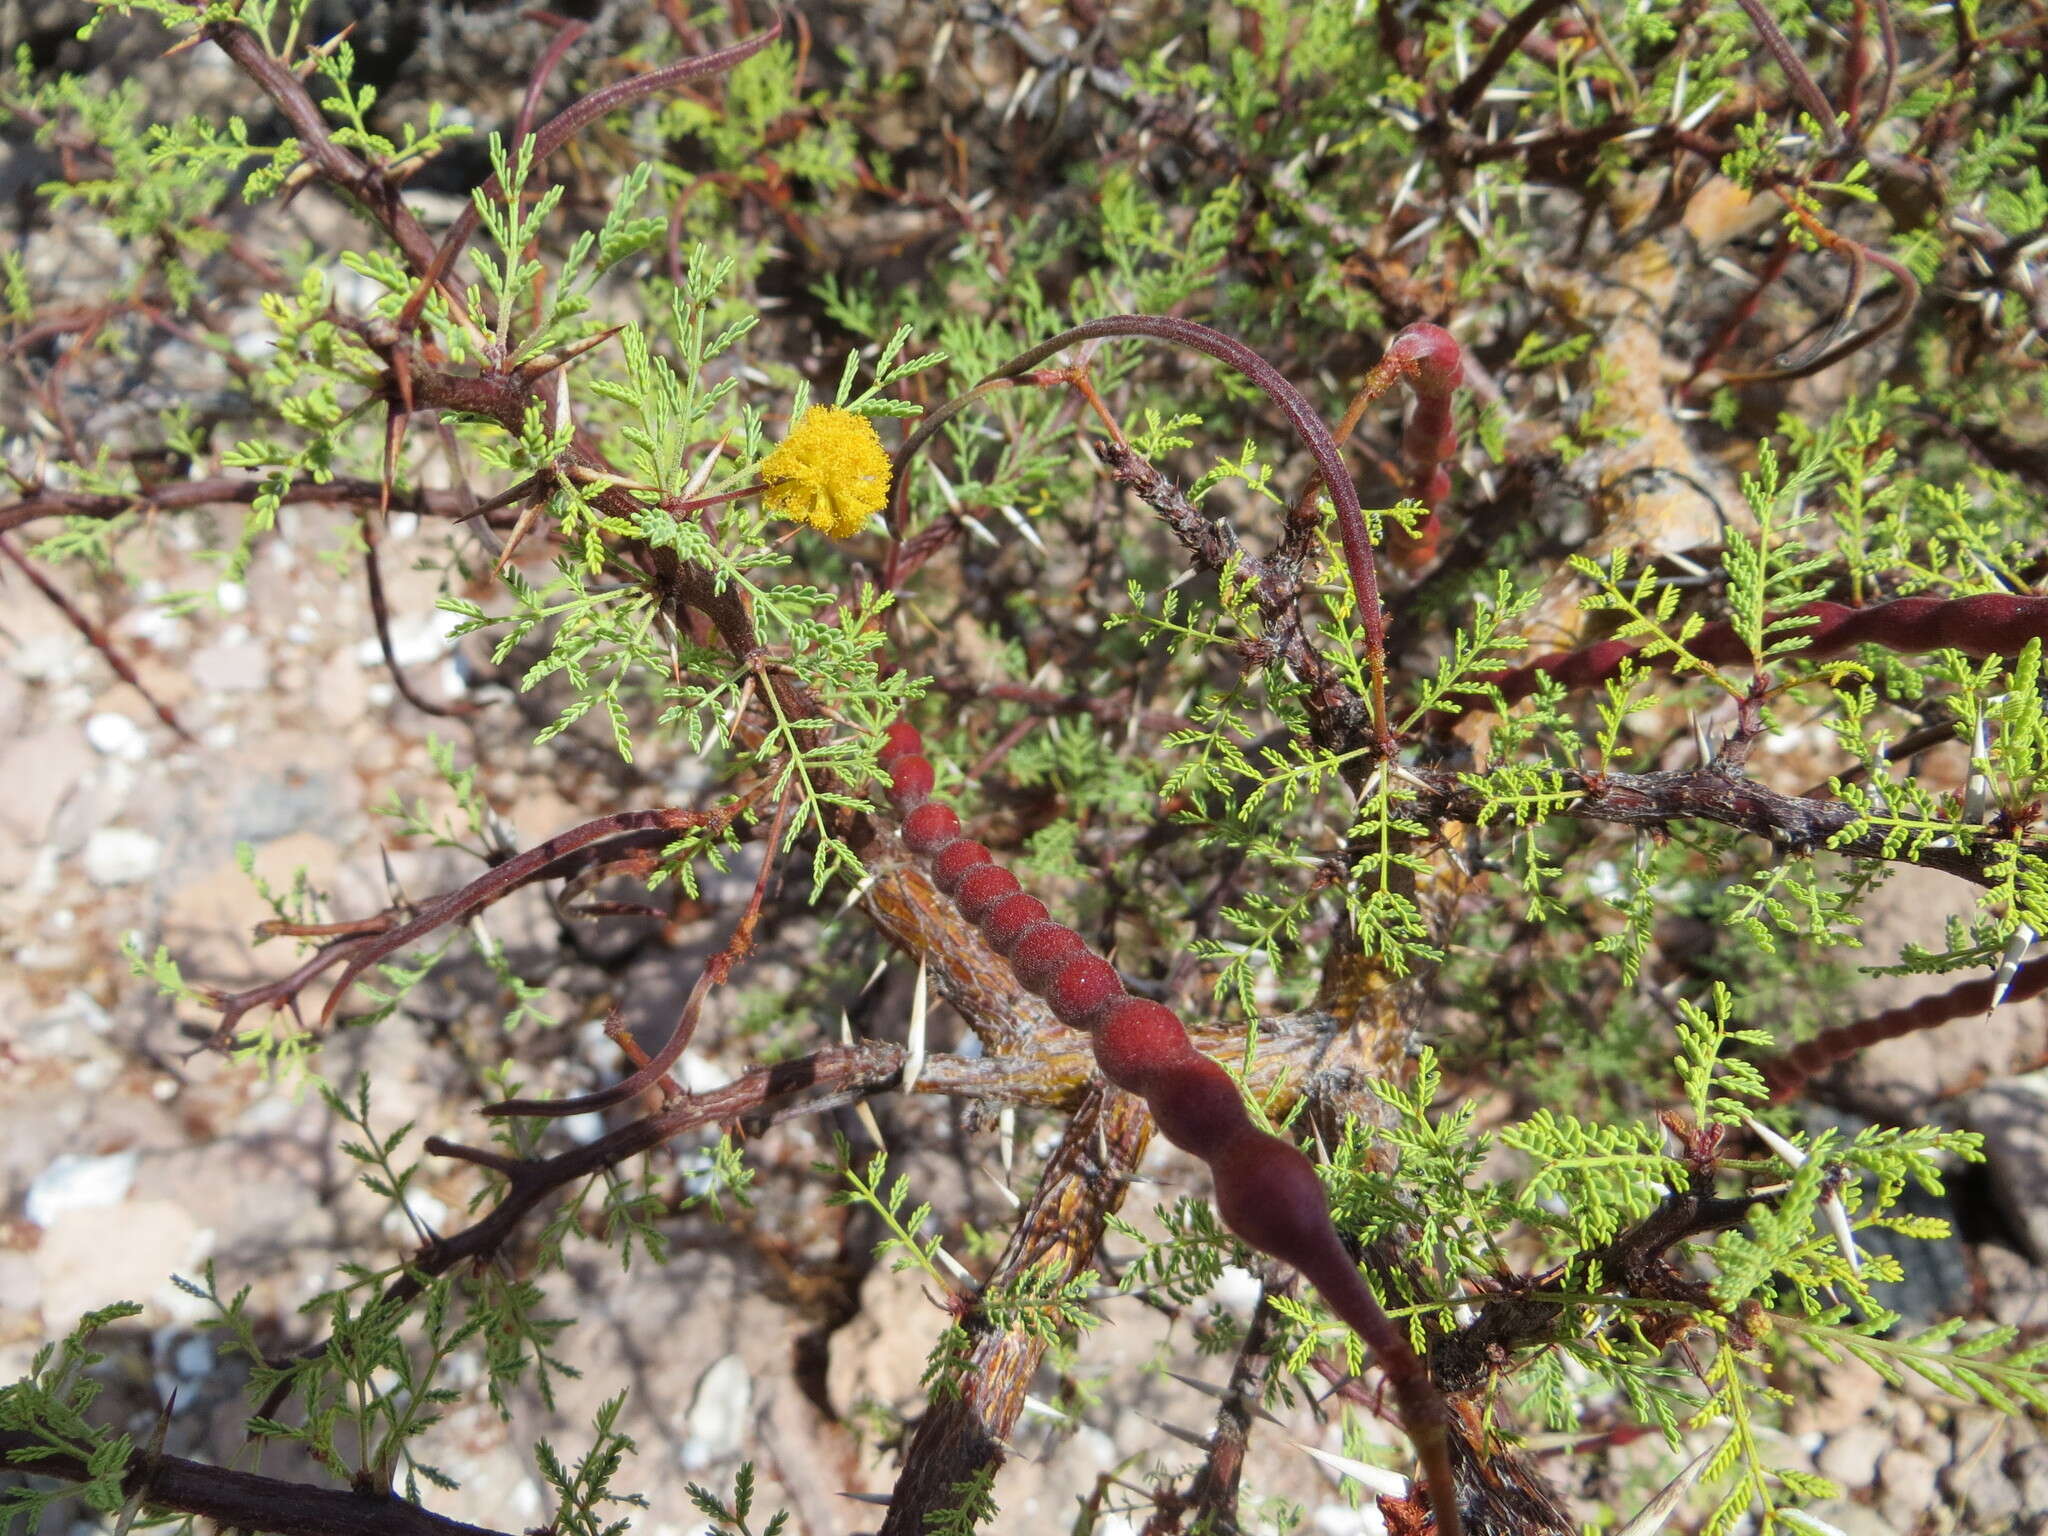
point(831, 472)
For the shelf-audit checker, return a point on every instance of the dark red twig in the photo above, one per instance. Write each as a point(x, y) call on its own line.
point(342, 167)
point(1804, 86)
point(1790, 1071)
point(245, 1501)
point(1993, 624)
point(220, 491)
point(536, 863)
point(380, 616)
point(95, 636)
point(714, 973)
point(1498, 52)
point(1308, 428)
point(565, 123)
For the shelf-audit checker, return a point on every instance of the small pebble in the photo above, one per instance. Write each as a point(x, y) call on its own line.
point(121, 856)
point(117, 736)
point(75, 1183)
point(717, 1426)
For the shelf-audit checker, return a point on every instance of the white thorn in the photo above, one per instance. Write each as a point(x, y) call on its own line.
point(1786, 1153)
point(1810, 1522)
point(1699, 113)
point(1702, 739)
point(1878, 779)
point(1838, 1223)
point(1658, 1510)
point(1387, 1485)
point(1977, 796)
point(1025, 82)
point(702, 474)
point(1417, 232)
point(913, 1051)
point(2009, 963)
point(854, 896)
point(960, 1271)
point(866, 1115)
point(1022, 524)
point(1407, 185)
point(1002, 1188)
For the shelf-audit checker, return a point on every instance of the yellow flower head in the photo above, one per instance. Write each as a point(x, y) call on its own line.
point(831, 472)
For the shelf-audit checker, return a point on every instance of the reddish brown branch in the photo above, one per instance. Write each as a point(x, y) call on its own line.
point(1789, 1072)
point(564, 124)
point(737, 947)
point(1509, 38)
point(367, 184)
point(366, 942)
point(1804, 86)
point(380, 618)
point(1993, 624)
point(94, 635)
point(236, 1500)
point(222, 491)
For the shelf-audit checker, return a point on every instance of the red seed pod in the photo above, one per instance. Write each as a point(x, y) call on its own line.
point(1430, 356)
point(980, 889)
point(1044, 952)
point(1007, 921)
point(1083, 989)
point(1135, 1039)
point(1429, 437)
point(1197, 1105)
point(910, 782)
point(956, 862)
point(1267, 1193)
point(930, 828)
point(900, 740)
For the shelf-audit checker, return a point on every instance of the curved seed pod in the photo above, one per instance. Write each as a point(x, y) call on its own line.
point(1428, 359)
point(1267, 1192)
point(1789, 1071)
point(901, 738)
point(1353, 536)
point(1135, 1039)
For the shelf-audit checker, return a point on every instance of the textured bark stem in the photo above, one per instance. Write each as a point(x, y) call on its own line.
point(1083, 1185)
